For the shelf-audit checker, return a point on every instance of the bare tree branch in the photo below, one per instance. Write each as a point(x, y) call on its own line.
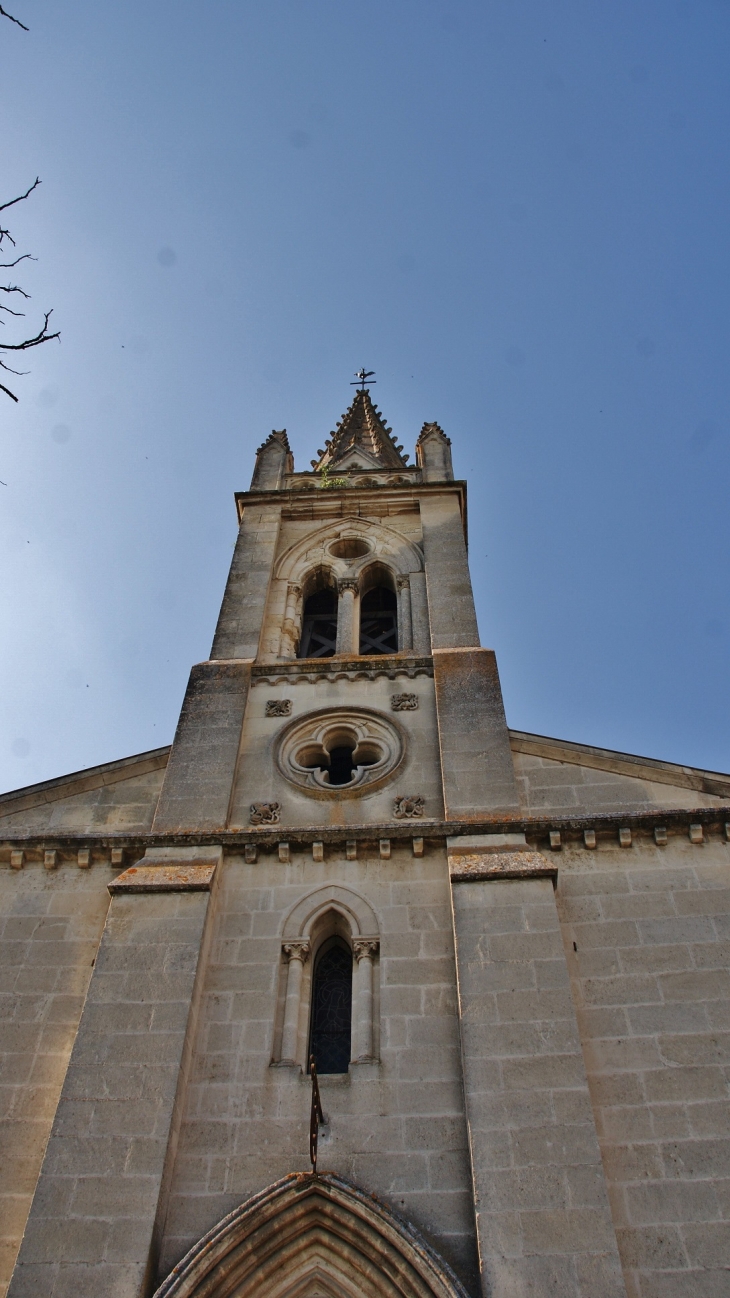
point(8, 265)
point(42, 336)
point(4, 14)
point(20, 197)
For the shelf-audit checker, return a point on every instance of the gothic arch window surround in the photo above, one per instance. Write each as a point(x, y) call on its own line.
point(310, 1010)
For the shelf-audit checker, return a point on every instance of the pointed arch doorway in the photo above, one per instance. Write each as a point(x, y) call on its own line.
point(312, 1237)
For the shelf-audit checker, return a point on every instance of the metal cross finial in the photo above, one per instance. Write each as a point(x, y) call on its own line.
point(364, 379)
point(316, 1115)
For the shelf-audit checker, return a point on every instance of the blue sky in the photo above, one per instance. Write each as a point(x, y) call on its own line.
point(515, 212)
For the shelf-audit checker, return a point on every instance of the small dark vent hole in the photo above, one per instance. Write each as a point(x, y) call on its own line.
point(341, 765)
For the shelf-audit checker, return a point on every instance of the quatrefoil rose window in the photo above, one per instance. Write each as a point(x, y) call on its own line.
point(340, 751)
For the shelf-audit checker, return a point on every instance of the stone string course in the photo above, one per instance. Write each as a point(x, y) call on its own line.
point(543, 833)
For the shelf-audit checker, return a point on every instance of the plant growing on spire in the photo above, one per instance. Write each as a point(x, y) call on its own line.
point(327, 482)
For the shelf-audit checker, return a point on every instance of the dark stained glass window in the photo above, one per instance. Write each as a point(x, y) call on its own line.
point(332, 1008)
point(379, 622)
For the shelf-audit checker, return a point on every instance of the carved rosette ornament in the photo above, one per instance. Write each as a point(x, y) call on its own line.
point(265, 813)
point(365, 946)
point(404, 702)
point(278, 707)
point(407, 808)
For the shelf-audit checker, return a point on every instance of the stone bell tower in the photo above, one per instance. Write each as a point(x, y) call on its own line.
point(348, 584)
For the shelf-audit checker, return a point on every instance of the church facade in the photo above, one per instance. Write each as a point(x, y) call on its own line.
point(507, 955)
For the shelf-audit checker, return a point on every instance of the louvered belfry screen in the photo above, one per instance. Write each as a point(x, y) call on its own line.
point(379, 622)
point(319, 626)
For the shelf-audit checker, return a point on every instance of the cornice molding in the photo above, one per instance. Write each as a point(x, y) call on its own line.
point(298, 670)
point(317, 502)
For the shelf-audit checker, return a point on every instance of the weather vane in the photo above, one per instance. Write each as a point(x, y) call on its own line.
point(364, 379)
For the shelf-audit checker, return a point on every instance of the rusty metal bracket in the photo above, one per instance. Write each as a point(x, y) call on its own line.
point(316, 1115)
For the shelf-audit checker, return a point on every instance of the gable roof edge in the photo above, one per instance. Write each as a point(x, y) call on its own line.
point(94, 777)
point(606, 759)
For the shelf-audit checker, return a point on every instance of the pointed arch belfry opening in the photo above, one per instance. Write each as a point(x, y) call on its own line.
point(337, 562)
point(312, 1237)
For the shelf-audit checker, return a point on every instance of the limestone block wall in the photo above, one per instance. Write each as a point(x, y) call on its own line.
point(647, 937)
point(396, 1127)
point(259, 780)
point(543, 1215)
point(50, 925)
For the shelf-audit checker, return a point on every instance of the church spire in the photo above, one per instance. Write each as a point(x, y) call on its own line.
point(361, 440)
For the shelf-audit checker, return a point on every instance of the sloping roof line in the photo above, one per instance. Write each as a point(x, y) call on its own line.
point(556, 750)
point(94, 777)
point(605, 759)
point(363, 428)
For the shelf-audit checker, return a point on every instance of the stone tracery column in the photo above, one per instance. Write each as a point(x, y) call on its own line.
point(290, 626)
point(405, 622)
point(297, 953)
point(365, 950)
point(347, 589)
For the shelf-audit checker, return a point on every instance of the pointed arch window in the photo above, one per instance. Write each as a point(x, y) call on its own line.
point(379, 621)
point(331, 1034)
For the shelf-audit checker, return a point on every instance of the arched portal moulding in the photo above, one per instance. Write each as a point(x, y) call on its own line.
point(312, 1237)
